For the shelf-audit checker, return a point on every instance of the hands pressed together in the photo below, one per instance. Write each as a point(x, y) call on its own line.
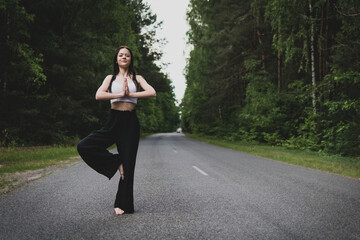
point(125, 91)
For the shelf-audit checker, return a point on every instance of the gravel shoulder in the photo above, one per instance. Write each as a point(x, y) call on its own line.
point(15, 180)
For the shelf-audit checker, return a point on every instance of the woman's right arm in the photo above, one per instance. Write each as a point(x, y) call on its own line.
point(103, 94)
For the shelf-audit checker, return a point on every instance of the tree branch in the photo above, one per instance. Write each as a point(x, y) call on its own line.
point(346, 14)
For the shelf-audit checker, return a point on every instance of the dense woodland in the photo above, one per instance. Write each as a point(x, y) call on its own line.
point(282, 72)
point(54, 56)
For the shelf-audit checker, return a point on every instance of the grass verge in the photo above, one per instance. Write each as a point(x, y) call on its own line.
point(21, 165)
point(345, 166)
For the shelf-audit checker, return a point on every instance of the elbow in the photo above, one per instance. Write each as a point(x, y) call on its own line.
point(154, 94)
point(99, 95)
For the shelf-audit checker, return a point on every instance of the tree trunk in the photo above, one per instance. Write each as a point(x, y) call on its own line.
point(220, 114)
point(321, 72)
point(262, 51)
point(4, 86)
point(258, 33)
point(279, 64)
point(312, 58)
point(325, 54)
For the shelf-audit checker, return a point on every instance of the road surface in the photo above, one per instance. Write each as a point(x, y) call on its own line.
point(186, 189)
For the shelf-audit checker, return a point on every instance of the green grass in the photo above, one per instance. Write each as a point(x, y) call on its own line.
point(345, 166)
point(23, 159)
point(20, 160)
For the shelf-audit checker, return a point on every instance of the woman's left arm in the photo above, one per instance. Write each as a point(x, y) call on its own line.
point(148, 92)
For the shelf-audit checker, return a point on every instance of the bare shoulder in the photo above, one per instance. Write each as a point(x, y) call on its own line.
point(108, 78)
point(140, 78)
point(106, 82)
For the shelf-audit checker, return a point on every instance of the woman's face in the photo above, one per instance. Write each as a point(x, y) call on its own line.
point(124, 58)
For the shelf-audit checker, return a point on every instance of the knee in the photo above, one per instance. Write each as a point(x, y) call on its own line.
point(80, 147)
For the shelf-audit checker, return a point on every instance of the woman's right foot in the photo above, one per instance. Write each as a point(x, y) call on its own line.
point(118, 211)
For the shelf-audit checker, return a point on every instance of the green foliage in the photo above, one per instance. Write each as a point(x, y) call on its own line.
point(55, 54)
point(251, 75)
point(17, 160)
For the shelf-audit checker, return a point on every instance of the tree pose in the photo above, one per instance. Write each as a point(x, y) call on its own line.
point(122, 88)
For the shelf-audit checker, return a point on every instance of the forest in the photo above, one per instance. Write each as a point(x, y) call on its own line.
point(54, 56)
point(279, 72)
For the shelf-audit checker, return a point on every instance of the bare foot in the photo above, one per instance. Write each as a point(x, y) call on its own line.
point(121, 170)
point(118, 211)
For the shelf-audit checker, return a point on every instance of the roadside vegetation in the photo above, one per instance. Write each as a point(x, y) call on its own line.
point(19, 165)
point(346, 166)
point(277, 72)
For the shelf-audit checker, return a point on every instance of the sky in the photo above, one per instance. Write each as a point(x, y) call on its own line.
point(174, 28)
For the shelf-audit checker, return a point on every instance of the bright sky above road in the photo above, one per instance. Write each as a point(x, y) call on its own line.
point(173, 15)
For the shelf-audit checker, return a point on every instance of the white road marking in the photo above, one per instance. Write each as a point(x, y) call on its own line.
point(200, 171)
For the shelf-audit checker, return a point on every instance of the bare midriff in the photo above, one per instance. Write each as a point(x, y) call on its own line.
point(123, 106)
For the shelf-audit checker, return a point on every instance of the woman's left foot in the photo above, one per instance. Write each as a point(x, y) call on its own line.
point(118, 211)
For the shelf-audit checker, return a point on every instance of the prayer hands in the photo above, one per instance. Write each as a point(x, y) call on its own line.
point(125, 87)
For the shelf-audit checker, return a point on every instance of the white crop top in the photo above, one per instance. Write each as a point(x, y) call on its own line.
point(116, 87)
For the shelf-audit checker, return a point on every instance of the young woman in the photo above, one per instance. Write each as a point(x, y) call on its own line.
point(122, 127)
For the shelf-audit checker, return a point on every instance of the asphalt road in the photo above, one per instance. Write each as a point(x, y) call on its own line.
point(186, 189)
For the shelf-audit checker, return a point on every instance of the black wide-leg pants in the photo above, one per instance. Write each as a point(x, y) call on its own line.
point(122, 128)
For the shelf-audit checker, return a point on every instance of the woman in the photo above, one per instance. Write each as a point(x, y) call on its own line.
point(122, 128)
